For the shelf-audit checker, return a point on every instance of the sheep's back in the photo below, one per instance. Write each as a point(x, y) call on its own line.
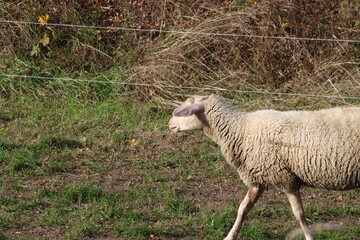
point(316, 148)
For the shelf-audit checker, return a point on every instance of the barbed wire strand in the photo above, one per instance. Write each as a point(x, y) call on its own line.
point(180, 32)
point(181, 87)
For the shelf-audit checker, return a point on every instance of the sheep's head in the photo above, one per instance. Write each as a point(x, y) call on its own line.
point(187, 116)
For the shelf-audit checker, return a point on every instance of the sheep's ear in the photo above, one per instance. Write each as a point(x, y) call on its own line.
point(188, 110)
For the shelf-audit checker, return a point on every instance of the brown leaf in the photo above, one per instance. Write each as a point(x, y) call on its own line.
point(45, 41)
point(153, 237)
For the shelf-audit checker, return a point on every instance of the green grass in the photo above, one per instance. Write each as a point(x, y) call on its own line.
point(79, 169)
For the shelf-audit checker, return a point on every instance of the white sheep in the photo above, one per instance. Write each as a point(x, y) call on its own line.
point(285, 150)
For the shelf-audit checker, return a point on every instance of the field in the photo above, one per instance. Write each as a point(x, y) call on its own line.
point(92, 160)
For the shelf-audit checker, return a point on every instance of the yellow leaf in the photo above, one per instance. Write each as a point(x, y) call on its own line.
point(284, 25)
point(3, 129)
point(43, 20)
point(133, 142)
point(255, 1)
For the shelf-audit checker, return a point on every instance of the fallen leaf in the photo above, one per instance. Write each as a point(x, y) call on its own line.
point(84, 149)
point(153, 237)
point(45, 41)
point(284, 25)
point(133, 142)
point(254, 1)
point(339, 199)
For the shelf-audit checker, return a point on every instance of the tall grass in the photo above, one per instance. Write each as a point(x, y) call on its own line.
point(251, 63)
point(178, 59)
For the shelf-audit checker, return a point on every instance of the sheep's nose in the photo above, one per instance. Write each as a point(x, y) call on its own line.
point(172, 124)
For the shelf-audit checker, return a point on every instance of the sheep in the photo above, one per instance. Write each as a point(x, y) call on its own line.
point(284, 150)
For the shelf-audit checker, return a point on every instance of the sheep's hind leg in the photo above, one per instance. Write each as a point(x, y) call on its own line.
point(247, 203)
point(298, 210)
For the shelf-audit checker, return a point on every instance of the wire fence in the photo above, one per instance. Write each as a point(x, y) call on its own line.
point(180, 87)
point(182, 32)
point(179, 32)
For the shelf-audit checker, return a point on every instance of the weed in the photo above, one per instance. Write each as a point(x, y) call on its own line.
point(179, 205)
point(2, 236)
point(82, 193)
point(23, 159)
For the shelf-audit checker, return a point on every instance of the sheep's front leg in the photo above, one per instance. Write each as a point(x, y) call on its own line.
point(298, 210)
point(250, 199)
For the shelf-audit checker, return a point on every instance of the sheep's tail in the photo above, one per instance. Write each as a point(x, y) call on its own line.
point(316, 228)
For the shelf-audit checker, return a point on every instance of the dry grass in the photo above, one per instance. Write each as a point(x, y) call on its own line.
point(253, 63)
point(293, 66)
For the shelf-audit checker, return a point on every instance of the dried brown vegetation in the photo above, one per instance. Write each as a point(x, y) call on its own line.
point(263, 63)
point(193, 59)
